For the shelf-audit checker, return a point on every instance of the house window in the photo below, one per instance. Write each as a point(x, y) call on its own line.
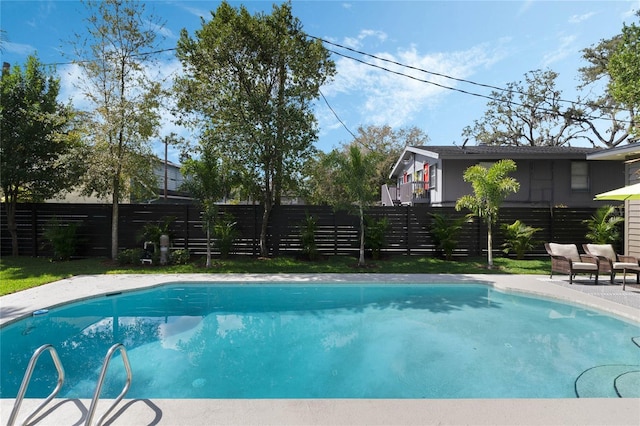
point(579, 176)
point(432, 176)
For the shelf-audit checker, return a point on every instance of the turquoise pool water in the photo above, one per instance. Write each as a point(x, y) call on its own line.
point(293, 340)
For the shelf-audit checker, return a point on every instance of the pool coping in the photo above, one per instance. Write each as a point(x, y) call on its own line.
point(323, 411)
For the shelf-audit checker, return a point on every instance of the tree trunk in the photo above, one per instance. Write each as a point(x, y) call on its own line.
point(489, 246)
point(208, 264)
point(361, 258)
point(11, 203)
point(264, 250)
point(115, 211)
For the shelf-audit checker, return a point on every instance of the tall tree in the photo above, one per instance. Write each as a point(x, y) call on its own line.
point(624, 68)
point(608, 120)
point(529, 113)
point(252, 80)
point(354, 175)
point(114, 58)
point(383, 142)
point(490, 187)
point(40, 152)
point(386, 144)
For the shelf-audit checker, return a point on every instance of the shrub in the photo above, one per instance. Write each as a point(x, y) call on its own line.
point(225, 234)
point(308, 237)
point(374, 235)
point(445, 230)
point(518, 238)
point(153, 231)
point(62, 238)
point(180, 257)
point(603, 226)
point(129, 257)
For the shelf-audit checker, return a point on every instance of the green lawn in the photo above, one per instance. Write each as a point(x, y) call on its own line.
point(20, 273)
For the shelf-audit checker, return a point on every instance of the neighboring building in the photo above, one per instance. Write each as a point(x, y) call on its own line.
point(173, 193)
point(548, 176)
point(629, 157)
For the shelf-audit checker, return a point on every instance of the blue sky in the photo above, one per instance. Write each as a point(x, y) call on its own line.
point(488, 42)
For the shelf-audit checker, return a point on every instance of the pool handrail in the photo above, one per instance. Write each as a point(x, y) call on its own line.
point(96, 395)
point(27, 378)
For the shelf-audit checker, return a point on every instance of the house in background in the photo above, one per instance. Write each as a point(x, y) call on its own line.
point(548, 176)
point(628, 156)
point(172, 184)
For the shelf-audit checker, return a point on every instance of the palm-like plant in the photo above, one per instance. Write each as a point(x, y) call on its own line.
point(603, 226)
point(490, 187)
point(445, 230)
point(518, 238)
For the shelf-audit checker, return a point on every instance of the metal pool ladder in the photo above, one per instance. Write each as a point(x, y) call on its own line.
point(27, 379)
point(58, 365)
point(96, 395)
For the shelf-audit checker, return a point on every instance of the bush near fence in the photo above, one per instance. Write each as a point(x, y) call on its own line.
point(337, 232)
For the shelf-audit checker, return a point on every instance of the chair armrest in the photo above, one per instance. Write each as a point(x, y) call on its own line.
point(587, 258)
point(628, 259)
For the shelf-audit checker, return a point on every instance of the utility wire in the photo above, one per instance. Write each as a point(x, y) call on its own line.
point(336, 115)
point(466, 92)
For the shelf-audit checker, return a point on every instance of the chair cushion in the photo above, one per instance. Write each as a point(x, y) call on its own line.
point(584, 266)
point(569, 251)
point(625, 265)
point(605, 250)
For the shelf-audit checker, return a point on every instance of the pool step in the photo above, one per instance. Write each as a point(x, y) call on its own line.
point(609, 381)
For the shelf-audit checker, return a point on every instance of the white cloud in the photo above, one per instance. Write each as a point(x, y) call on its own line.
point(18, 48)
point(385, 97)
point(566, 47)
point(356, 42)
point(576, 19)
point(635, 7)
point(526, 5)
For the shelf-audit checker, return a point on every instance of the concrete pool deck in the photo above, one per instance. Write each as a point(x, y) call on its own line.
point(606, 297)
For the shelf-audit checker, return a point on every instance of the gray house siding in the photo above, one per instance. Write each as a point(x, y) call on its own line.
point(632, 213)
point(544, 174)
point(542, 183)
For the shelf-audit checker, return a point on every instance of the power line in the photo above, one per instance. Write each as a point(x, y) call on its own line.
point(490, 97)
point(466, 92)
point(336, 115)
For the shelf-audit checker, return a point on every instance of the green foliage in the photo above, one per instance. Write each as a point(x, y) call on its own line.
point(518, 238)
point(62, 238)
point(124, 100)
point(490, 187)
point(604, 226)
point(624, 69)
point(445, 230)
point(251, 80)
point(308, 237)
point(225, 234)
point(153, 231)
point(353, 172)
point(180, 257)
point(40, 150)
point(208, 181)
point(374, 235)
point(529, 114)
point(129, 257)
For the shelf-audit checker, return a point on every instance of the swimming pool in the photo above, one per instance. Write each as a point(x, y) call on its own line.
point(330, 341)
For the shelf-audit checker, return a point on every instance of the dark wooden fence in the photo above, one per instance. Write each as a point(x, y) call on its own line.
point(337, 232)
